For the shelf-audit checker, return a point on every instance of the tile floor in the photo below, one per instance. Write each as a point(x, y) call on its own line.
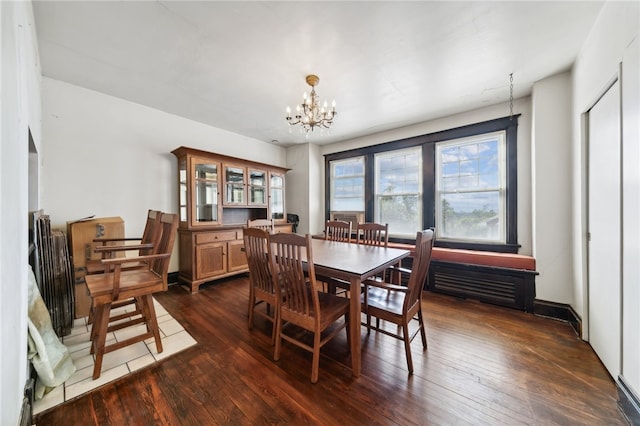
point(115, 364)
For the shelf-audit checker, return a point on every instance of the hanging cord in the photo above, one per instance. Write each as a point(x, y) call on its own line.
point(511, 96)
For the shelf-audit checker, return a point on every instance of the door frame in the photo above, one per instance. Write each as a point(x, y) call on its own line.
point(585, 129)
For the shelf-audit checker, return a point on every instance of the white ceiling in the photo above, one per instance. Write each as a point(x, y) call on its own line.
point(236, 65)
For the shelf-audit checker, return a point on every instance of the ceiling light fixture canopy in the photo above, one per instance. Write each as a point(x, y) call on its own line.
point(309, 114)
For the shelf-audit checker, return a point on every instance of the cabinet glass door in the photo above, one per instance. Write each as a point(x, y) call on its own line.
point(234, 179)
point(206, 193)
point(257, 187)
point(276, 197)
point(182, 190)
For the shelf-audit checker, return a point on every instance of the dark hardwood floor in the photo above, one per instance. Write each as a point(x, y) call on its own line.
point(485, 365)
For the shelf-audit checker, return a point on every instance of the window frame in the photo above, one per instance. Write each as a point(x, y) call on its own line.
point(377, 195)
point(332, 187)
point(508, 124)
point(501, 187)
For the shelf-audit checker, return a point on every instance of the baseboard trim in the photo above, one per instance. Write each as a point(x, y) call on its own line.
point(559, 311)
point(628, 402)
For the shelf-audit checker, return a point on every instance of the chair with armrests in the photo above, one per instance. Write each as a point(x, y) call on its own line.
point(399, 304)
point(303, 304)
point(140, 284)
point(266, 224)
point(261, 287)
point(110, 246)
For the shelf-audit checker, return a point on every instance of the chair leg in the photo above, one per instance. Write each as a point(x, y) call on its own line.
point(407, 346)
point(96, 319)
point(149, 312)
point(101, 324)
point(252, 306)
point(423, 331)
point(278, 337)
point(273, 328)
point(315, 363)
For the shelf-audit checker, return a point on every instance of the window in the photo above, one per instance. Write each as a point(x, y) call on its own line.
point(461, 181)
point(347, 185)
point(470, 189)
point(398, 191)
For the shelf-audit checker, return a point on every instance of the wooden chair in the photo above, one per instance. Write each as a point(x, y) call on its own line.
point(399, 304)
point(110, 246)
point(261, 289)
point(302, 304)
point(337, 230)
point(110, 287)
point(266, 224)
point(369, 233)
point(372, 234)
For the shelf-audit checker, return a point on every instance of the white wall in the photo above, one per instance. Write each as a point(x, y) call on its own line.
point(596, 66)
point(106, 156)
point(316, 180)
point(297, 189)
point(631, 216)
point(612, 40)
point(303, 181)
point(19, 112)
point(551, 187)
point(520, 106)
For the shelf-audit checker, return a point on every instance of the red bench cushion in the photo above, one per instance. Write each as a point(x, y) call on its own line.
point(486, 258)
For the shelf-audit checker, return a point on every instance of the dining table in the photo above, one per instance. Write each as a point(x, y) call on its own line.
point(353, 263)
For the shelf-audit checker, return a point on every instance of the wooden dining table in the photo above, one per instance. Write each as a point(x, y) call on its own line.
point(353, 263)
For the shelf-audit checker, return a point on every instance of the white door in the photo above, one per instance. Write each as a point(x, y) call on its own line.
point(604, 282)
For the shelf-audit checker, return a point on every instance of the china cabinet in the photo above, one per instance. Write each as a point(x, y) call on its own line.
point(217, 195)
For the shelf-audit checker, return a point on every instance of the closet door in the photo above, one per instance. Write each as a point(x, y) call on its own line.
point(604, 250)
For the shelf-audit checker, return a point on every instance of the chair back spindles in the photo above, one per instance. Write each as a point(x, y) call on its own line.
point(256, 243)
point(373, 234)
point(290, 252)
point(152, 232)
point(265, 224)
point(420, 268)
point(168, 226)
point(337, 230)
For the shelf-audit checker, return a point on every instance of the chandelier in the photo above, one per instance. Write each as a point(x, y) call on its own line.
point(309, 114)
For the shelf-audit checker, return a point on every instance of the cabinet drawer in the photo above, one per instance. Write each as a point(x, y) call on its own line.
point(212, 237)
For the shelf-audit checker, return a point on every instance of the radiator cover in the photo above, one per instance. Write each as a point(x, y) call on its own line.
point(513, 288)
